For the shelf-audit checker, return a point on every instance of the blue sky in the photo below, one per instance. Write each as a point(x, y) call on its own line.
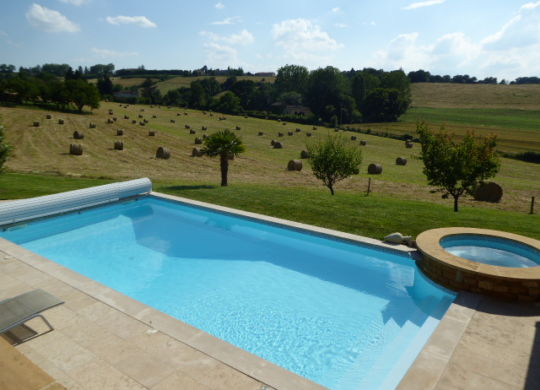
point(481, 38)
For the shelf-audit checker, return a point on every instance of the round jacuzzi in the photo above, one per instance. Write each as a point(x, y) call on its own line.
point(482, 261)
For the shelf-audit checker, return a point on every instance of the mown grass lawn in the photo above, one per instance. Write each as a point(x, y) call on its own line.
point(373, 216)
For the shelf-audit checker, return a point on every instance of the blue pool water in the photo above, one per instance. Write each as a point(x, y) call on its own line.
point(492, 250)
point(344, 315)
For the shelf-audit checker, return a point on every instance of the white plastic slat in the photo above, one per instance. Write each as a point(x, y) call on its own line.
point(24, 209)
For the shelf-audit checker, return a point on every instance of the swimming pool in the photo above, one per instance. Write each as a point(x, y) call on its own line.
point(345, 315)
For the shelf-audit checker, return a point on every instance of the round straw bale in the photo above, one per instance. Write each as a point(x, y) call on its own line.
point(142, 123)
point(126, 117)
point(401, 161)
point(284, 123)
point(185, 113)
point(60, 121)
point(114, 118)
point(133, 121)
point(198, 140)
point(353, 137)
point(109, 120)
point(119, 132)
point(163, 153)
point(294, 165)
point(290, 133)
point(196, 152)
point(48, 116)
point(151, 133)
point(363, 142)
point(35, 124)
point(308, 134)
point(273, 142)
point(78, 135)
point(173, 121)
point(278, 145)
point(314, 128)
point(204, 128)
point(192, 131)
point(488, 192)
point(304, 154)
point(409, 144)
point(204, 136)
point(92, 125)
point(118, 145)
point(140, 116)
point(280, 134)
point(76, 149)
point(298, 130)
point(187, 127)
point(374, 169)
point(154, 116)
point(260, 133)
point(238, 128)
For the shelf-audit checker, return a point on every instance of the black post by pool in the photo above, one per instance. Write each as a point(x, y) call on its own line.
point(532, 206)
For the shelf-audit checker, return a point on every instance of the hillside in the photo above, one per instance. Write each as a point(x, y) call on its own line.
point(44, 149)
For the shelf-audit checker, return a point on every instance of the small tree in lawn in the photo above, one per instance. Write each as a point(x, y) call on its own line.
point(334, 159)
point(224, 144)
point(454, 167)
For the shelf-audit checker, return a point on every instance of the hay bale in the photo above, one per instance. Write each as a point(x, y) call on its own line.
point(163, 153)
point(48, 116)
point(298, 130)
point(374, 169)
point(111, 112)
point(109, 121)
point(272, 142)
point(126, 117)
point(145, 120)
point(280, 134)
point(118, 145)
point(119, 132)
point(401, 161)
point(140, 116)
point(173, 121)
point(35, 124)
point(187, 127)
point(284, 123)
point(76, 149)
point(278, 145)
point(304, 154)
point(294, 165)
point(308, 134)
point(196, 152)
point(238, 128)
point(353, 137)
point(363, 142)
point(290, 133)
point(314, 128)
point(141, 110)
point(488, 192)
point(78, 135)
point(151, 133)
point(133, 122)
point(204, 128)
point(260, 133)
point(142, 123)
point(409, 144)
point(185, 113)
point(92, 125)
point(198, 140)
point(177, 114)
point(154, 116)
point(60, 121)
point(192, 131)
point(204, 136)
point(114, 118)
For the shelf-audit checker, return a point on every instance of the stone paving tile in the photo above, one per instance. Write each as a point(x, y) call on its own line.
point(98, 375)
point(178, 381)
point(144, 369)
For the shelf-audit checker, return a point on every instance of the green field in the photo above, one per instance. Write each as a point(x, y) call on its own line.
point(259, 180)
point(179, 81)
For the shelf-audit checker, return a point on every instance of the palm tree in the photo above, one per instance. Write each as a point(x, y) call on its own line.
point(224, 144)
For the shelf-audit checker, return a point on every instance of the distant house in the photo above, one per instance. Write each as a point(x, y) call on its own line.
point(264, 74)
point(297, 110)
point(126, 96)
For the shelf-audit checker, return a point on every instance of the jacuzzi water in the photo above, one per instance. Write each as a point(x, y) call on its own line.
point(344, 315)
point(492, 250)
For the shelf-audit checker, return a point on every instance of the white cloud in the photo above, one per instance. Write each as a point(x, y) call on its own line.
point(422, 4)
point(49, 20)
point(304, 41)
point(219, 5)
point(141, 21)
point(336, 10)
point(218, 55)
point(226, 21)
point(75, 2)
point(107, 53)
point(243, 38)
point(510, 52)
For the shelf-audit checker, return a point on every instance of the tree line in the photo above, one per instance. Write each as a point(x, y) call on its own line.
point(423, 76)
